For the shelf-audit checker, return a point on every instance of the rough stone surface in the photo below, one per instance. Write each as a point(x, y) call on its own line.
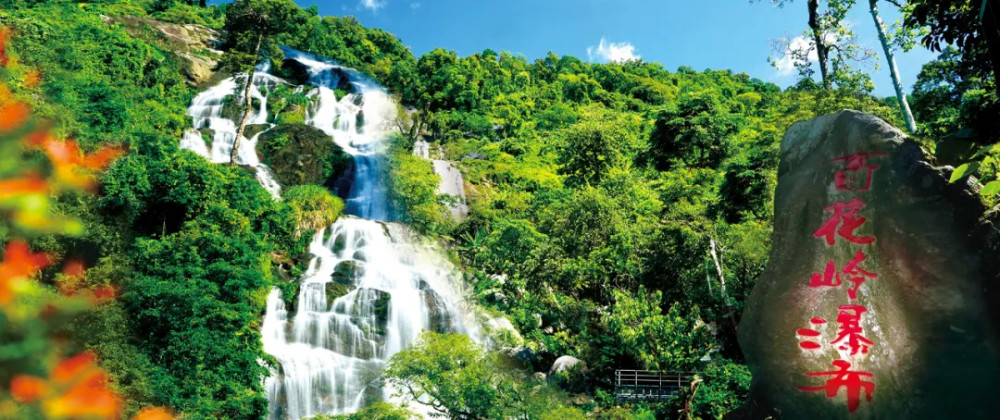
point(439, 317)
point(193, 44)
point(451, 183)
point(300, 154)
point(564, 363)
point(931, 313)
point(520, 354)
point(348, 273)
point(500, 325)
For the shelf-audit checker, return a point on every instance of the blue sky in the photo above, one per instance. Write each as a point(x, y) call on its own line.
point(703, 34)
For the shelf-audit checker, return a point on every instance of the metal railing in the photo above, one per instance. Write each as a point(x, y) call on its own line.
point(647, 385)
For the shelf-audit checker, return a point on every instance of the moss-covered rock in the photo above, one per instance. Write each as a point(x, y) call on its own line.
point(294, 71)
point(254, 129)
point(334, 291)
point(287, 104)
point(300, 154)
point(348, 272)
point(314, 207)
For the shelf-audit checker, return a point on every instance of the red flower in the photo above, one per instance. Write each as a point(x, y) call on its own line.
point(76, 387)
point(18, 263)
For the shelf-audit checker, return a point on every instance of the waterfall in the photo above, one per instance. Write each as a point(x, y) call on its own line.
point(372, 285)
point(206, 110)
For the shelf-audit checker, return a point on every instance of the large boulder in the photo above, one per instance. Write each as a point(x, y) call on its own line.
point(300, 154)
point(439, 317)
point(193, 44)
point(565, 363)
point(294, 71)
point(502, 329)
point(880, 298)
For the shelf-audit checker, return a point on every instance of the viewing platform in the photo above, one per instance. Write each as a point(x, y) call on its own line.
point(648, 385)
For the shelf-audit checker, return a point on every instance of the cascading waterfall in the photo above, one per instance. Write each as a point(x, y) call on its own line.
point(371, 286)
point(206, 109)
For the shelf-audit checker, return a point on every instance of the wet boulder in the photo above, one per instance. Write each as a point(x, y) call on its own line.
point(334, 291)
point(880, 297)
point(439, 318)
point(371, 309)
point(300, 154)
point(252, 130)
point(348, 272)
point(502, 330)
point(294, 71)
point(523, 355)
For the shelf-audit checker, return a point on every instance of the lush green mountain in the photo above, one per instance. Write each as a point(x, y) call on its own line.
point(619, 213)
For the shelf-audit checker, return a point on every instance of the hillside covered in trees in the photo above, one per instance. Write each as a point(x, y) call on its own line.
point(618, 213)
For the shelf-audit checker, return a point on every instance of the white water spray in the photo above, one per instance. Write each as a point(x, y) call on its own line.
point(371, 286)
point(206, 110)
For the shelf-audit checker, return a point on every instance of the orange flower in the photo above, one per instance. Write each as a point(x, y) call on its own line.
point(72, 167)
point(153, 413)
point(72, 276)
point(27, 389)
point(18, 263)
point(76, 387)
point(3, 46)
point(104, 293)
point(30, 184)
point(32, 78)
point(12, 116)
point(89, 397)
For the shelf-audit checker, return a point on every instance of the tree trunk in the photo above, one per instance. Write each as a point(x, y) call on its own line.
point(904, 106)
point(247, 107)
point(822, 51)
point(722, 280)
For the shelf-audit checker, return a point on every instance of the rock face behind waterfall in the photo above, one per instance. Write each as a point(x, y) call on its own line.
point(300, 154)
point(886, 295)
point(193, 44)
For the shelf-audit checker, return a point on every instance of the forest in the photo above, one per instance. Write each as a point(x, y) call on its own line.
point(618, 213)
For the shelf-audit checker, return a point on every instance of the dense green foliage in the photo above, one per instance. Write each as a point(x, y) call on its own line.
point(412, 185)
point(587, 181)
point(376, 411)
point(463, 381)
point(314, 207)
point(596, 192)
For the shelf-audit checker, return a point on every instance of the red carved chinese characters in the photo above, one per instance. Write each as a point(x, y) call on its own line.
point(854, 382)
point(854, 274)
point(810, 333)
point(853, 164)
point(854, 174)
point(846, 216)
point(849, 330)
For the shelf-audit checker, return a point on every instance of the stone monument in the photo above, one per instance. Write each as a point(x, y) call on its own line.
point(881, 298)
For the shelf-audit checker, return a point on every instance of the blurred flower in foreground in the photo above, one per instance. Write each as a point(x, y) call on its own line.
point(18, 265)
point(75, 387)
point(72, 168)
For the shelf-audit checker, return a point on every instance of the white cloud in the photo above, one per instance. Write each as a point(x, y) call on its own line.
point(800, 50)
point(373, 5)
point(612, 51)
point(415, 5)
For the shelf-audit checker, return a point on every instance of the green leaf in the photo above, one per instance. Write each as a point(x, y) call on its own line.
point(962, 171)
point(991, 188)
point(959, 172)
point(987, 150)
